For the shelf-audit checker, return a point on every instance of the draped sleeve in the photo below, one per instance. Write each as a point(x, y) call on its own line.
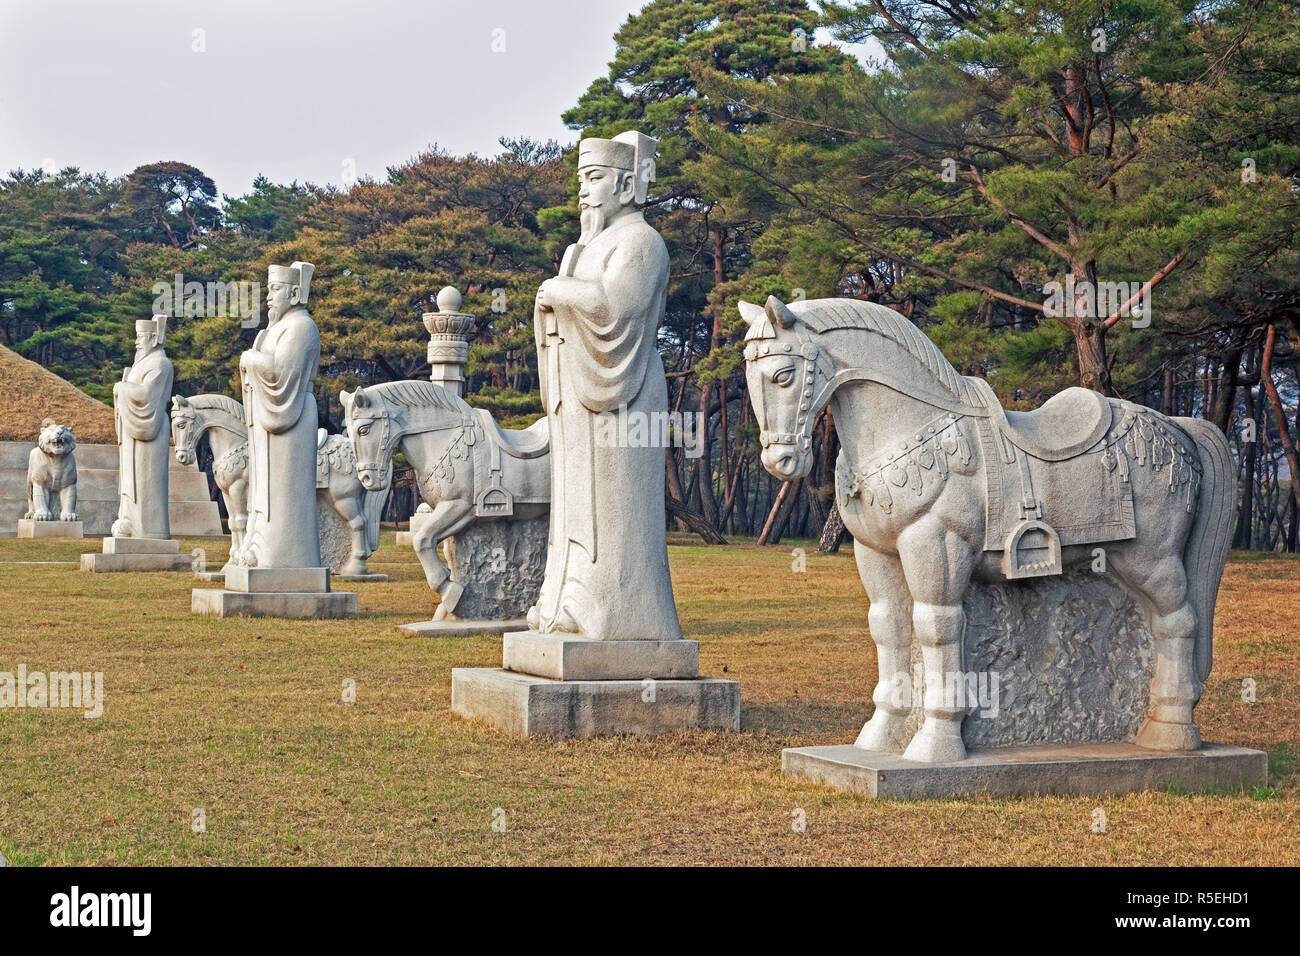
point(142, 404)
point(615, 319)
point(281, 390)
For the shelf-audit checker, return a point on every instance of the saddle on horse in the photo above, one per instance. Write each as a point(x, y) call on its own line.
point(1048, 483)
point(495, 500)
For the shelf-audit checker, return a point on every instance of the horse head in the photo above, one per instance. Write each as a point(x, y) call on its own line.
point(369, 428)
point(186, 429)
point(789, 385)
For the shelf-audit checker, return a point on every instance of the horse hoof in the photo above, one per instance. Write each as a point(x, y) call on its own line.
point(931, 746)
point(534, 619)
point(450, 594)
point(355, 566)
point(1160, 735)
point(882, 733)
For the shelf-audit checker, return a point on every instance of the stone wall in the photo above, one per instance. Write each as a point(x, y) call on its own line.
point(192, 513)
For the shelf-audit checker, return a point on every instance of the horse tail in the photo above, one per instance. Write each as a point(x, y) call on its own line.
point(1206, 551)
point(373, 508)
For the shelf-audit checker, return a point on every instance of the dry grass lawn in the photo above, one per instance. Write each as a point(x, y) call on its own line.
point(245, 719)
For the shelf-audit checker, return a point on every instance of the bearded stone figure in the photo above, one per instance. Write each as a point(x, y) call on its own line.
point(140, 403)
point(280, 410)
point(596, 327)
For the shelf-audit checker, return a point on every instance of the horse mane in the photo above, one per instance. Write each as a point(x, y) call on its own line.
point(220, 402)
point(830, 315)
point(413, 393)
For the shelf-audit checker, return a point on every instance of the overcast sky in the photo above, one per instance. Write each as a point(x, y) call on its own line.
point(294, 89)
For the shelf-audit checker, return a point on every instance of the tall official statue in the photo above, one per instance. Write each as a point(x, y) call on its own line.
point(596, 326)
point(140, 403)
point(280, 410)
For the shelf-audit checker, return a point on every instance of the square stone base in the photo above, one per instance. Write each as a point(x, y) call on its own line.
point(1075, 770)
point(525, 706)
point(28, 528)
point(137, 554)
point(220, 602)
point(99, 563)
point(458, 628)
point(116, 545)
point(209, 575)
point(404, 539)
point(277, 580)
point(371, 577)
point(565, 657)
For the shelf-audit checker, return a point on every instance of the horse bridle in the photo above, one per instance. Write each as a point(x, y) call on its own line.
point(385, 451)
point(801, 438)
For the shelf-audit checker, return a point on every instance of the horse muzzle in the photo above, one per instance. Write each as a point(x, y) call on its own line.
point(372, 478)
point(786, 461)
point(183, 456)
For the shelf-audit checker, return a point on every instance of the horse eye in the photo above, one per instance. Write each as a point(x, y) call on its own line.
point(363, 430)
point(784, 377)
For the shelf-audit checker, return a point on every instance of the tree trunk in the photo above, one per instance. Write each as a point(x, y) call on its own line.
point(1225, 396)
point(693, 521)
point(1279, 416)
point(833, 532)
point(1245, 513)
point(673, 483)
point(1090, 344)
point(780, 512)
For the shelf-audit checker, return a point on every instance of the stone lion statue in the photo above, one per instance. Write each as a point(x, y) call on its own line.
point(52, 474)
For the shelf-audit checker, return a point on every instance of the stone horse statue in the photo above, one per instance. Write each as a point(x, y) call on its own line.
point(467, 466)
point(939, 485)
point(221, 420)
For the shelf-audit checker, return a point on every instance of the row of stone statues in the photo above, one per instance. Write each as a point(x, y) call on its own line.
point(946, 495)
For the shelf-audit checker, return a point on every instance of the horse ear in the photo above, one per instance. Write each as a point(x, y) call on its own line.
point(345, 398)
point(750, 312)
point(360, 399)
point(780, 313)
point(180, 401)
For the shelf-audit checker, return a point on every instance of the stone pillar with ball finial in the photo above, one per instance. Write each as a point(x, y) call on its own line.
point(449, 333)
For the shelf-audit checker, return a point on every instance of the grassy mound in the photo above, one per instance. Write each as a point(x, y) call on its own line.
point(32, 393)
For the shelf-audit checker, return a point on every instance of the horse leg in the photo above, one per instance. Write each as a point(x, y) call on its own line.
point(937, 564)
point(890, 623)
point(347, 504)
point(237, 511)
point(1174, 689)
point(448, 517)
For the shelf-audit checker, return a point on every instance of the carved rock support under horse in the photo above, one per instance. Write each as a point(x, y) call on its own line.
point(467, 466)
point(221, 419)
point(940, 486)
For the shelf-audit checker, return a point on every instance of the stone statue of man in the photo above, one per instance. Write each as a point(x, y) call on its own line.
point(278, 373)
point(140, 403)
point(596, 327)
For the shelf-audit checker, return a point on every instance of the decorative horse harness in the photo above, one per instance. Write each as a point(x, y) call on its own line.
point(1031, 547)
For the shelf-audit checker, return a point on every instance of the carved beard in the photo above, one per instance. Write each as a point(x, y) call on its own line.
point(592, 216)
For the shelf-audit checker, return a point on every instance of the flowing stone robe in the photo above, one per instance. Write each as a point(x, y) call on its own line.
point(607, 556)
point(280, 411)
point(140, 403)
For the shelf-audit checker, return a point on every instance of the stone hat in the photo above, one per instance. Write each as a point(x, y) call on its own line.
point(297, 275)
point(630, 151)
point(157, 326)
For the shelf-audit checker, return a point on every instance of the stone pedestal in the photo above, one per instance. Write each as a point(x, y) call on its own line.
point(565, 686)
point(27, 528)
point(499, 563)
point(274, 592)
point(137, 554)
point(455, 627)
point(1079, 770)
